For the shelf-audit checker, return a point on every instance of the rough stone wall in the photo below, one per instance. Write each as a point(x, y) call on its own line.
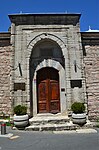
point(91, 61)
point(5, 101)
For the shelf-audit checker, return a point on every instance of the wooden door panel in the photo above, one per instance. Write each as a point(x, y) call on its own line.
point(42, 91)
point(54, 90)
point(48, 91)
point(42, 96)
point(54, 97)
point(42, 108)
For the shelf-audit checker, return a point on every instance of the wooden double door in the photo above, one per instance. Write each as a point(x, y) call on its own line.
point(48, 94)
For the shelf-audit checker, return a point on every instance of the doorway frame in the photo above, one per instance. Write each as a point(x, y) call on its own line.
point(62, 84)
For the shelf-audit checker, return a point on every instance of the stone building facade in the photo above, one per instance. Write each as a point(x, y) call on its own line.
point(48, 64)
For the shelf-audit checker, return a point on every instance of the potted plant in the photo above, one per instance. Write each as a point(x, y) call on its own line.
point(21, 119)
point(78, 115)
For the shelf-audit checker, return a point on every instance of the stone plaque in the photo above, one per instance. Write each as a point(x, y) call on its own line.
point(19, 86)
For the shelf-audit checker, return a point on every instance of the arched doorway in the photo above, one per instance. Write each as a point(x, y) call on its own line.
point(48, 94)
point(46, 53)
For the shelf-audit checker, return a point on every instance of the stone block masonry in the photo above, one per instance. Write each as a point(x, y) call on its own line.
point(5, 101)
point(91, 61)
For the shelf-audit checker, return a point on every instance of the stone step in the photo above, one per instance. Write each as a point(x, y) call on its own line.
point(42, 120)
point(52, 127)
point(58, 127)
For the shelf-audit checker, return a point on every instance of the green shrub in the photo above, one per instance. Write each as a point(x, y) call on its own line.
point(78, 107)
point(20, 110)
point(8, 124)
